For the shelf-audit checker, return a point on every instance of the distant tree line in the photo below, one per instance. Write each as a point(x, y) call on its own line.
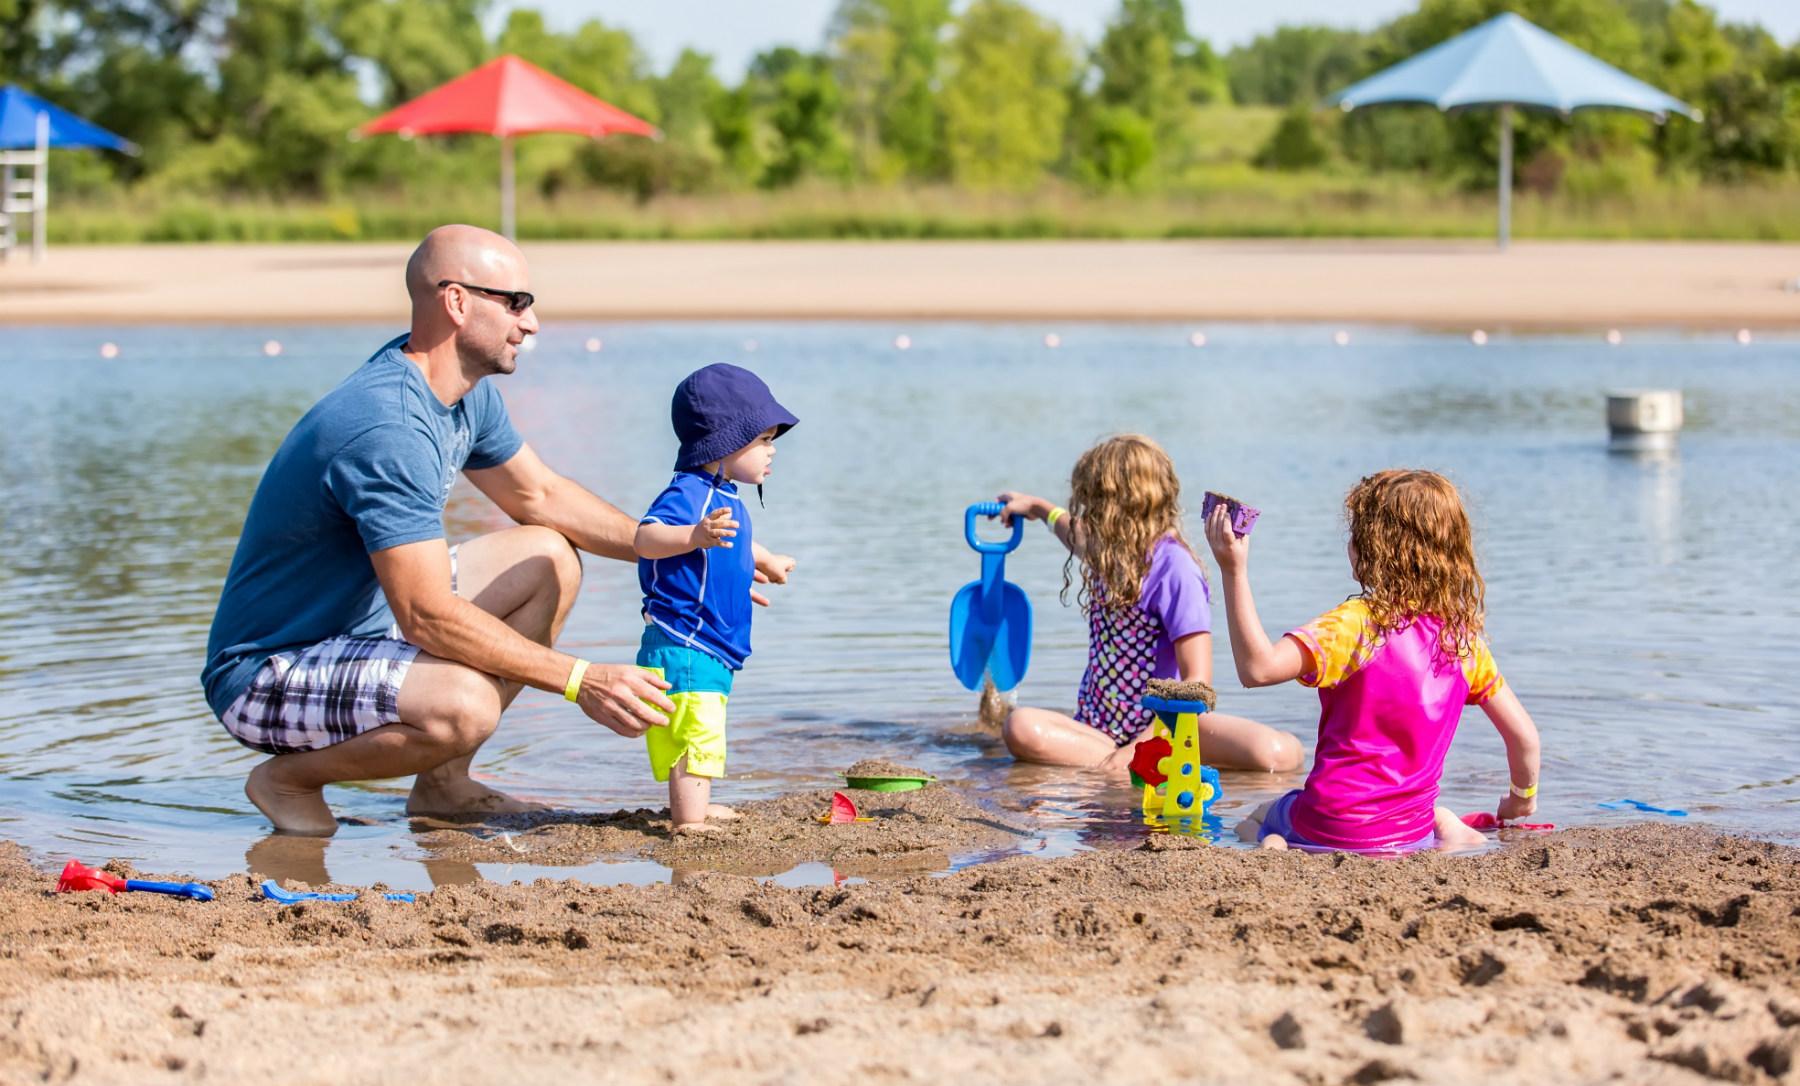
point(257, 97)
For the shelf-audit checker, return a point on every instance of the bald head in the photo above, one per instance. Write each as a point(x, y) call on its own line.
point(472, 321)
point(465, 254)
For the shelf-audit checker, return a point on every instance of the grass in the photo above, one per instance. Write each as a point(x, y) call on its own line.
point(1217, 201)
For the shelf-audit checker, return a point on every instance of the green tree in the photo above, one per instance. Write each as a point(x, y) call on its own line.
point(1005, 100)
point(1114, 147)
point(732, 117)
point(804, 107)
point(414, 44)
point(887, 54)
point(684, 97)
point(1296, 65)
point(1295, 144)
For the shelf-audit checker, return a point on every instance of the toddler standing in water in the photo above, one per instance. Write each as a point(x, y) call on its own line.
point(1394, 667)
point(697, 565)
point(1149, 617)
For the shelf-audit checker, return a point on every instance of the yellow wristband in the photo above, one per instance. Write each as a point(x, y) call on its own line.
point(573, 689)
point(1523, 793)
point(1055, 515)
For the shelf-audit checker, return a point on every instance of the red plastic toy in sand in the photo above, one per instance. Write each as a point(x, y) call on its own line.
point(1145, 759)
point(1481, 820)
point(843, 809)
point(77, 877)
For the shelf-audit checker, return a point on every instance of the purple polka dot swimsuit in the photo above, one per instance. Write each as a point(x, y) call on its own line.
point(1129, 646)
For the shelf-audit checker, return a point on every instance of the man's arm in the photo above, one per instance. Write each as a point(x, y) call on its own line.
point(531, 493)
point(415, 577)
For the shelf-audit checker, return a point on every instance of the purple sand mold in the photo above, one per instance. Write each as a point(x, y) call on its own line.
point(1243, 517)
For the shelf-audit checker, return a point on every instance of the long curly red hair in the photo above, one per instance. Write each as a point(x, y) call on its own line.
point(1413, 552)
point(1126, 496)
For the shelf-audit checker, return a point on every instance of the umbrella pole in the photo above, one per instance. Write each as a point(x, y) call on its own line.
point(40, 189)
point(507, 225)
point(1506, 175)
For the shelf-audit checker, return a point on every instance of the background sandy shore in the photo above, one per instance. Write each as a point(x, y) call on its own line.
point(1460, 284)
point(1651, 954)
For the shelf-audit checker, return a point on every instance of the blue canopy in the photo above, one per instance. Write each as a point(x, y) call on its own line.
point(19, 125)
point(1508, 61)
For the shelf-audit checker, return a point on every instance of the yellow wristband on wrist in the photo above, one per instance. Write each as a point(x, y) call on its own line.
point(573, 690)
point(1056, 514)
point(1523, 793)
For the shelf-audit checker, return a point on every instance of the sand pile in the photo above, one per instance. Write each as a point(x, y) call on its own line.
point(1647, 954)
point(914, 831)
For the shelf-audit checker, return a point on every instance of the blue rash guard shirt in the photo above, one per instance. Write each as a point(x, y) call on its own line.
point(701, 598)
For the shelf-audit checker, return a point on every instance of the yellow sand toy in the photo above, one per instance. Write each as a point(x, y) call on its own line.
point(1178, 789)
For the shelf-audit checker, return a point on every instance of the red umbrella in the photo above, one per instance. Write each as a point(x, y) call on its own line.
point(508, 97)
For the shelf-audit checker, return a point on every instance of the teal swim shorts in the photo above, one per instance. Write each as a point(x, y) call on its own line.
point(699, 685)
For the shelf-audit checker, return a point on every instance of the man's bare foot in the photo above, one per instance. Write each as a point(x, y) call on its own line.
point(687, 828)
point(290, 808)
point(720, 812)
point(460, 797)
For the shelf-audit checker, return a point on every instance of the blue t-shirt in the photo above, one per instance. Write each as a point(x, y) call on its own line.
point(701, 598)
point(368, 468)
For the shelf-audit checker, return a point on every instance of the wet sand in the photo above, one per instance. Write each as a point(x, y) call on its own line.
point(1649, 954)
point(1459, 284)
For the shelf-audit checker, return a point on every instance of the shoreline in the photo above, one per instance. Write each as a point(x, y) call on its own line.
point(1536, 286)
point(1648, 953)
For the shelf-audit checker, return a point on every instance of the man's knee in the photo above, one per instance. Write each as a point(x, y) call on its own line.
point(463, 710)
point(561, 562)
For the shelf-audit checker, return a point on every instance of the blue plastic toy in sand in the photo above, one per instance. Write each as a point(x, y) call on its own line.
point(274, 892)
point(1640, 805)
point(990, 620)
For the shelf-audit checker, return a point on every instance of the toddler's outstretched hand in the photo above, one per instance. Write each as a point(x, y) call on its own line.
point(716, 529)
point(1230, 550)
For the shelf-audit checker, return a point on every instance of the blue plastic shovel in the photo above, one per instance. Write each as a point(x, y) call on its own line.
point(990, 620)
point(273, 891)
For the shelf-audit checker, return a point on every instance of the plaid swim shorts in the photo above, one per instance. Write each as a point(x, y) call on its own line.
point(312, 698)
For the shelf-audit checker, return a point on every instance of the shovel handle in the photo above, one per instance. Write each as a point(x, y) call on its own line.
point(991, 509)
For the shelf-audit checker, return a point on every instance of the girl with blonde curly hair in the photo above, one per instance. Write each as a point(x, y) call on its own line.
point(1394, 666)
point(1149, 612)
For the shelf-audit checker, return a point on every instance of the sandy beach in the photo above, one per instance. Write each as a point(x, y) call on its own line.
point(1548, 285)
point(1647, 954)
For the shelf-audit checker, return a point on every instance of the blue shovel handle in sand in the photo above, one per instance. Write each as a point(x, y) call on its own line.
point(275, 893)
point(990, 620)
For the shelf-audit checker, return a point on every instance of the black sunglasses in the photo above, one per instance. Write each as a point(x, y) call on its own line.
point(517, 301)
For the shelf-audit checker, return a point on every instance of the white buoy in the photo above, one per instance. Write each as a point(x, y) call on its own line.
point(902, 342)
point(1743, 336)
point(529, 343)
point(271, 347)
point(1478, 338)
point(749, 345)
point(1052, 340)
point(593, 345)
point(1197, 339)
point(109, 350)
point(1341, 338)
point(1614, 337)
point(1643, 418)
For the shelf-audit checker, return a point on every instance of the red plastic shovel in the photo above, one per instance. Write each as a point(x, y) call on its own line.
point(76, 877)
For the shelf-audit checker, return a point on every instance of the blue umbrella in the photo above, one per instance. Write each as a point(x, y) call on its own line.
point(19, 114)
point(1507, 62)
point(28, 123)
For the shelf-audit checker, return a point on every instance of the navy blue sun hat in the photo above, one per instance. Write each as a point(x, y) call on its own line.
point(719, 410)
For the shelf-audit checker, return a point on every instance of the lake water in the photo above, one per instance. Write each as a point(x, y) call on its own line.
point(1644, 608)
